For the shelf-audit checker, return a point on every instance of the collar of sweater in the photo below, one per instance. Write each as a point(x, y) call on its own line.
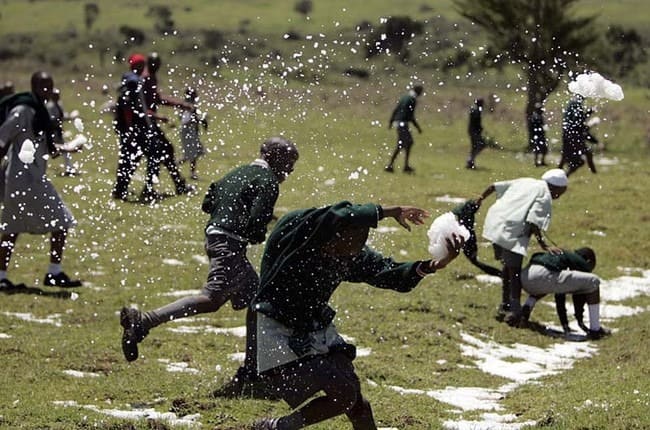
point(260, 162)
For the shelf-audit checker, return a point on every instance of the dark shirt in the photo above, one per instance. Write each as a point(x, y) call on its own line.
point(298, 279)
point(474, 126)
point(242, 202)
point(557, 262)
point(405, 109)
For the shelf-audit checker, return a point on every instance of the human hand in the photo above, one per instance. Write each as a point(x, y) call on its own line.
point(454, 246)
point(405, 214)
point(554, 250)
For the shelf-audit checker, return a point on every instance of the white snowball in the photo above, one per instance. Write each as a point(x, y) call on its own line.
point(27, 150)
point(443, 228)
point(78, 124)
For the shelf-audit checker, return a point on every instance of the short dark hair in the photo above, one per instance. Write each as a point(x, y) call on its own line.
point(589, 255)
point(277, 147)
point(419, 89)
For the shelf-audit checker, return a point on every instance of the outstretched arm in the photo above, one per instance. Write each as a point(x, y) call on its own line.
point(405, 214)
point(489, 190)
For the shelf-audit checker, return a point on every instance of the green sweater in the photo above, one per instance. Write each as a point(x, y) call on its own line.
point(297, 279)
point(405, 109)
point(242, 202)
point(557, 263)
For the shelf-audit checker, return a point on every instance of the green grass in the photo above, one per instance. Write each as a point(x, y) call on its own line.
point(339, 126)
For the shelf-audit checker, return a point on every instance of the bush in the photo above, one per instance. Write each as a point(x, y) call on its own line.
point(392, 37)
point(133, 35)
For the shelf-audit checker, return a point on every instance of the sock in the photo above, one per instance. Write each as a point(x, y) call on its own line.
point(3, 274)
point(530, 302)
point(594, 316)
point(54, 269)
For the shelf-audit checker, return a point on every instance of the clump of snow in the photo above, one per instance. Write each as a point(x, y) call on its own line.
point(442, 228)
point(593, 85)
point(78, 124)
point(76, 143)
point(27, 150)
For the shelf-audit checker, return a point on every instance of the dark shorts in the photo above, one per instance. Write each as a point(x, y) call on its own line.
point(404, 137)
point(507, 258)
point(298, 381)
point(231, 275)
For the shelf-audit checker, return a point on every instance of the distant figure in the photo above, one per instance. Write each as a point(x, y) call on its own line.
point(522, 209)
point(575, 134)
point(475, 130)
point(57, 115)
point(30, 202)
point(6, 89)
point(538, 142)
point(131, 125)
point(160, 149)
point(561, 274)
point(403, 114)
point(190, 121)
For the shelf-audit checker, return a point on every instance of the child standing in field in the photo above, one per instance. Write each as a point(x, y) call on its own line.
point(192, 147)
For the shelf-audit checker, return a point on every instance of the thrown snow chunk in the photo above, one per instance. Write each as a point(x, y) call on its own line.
point(442, 228)
point(27, 150)
point(594, 85)
point(78, 124)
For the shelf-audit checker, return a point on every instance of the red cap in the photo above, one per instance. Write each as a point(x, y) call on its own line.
point(136, 59)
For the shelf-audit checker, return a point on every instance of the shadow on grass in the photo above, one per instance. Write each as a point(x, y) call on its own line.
point(550, 332)
point(24, 289)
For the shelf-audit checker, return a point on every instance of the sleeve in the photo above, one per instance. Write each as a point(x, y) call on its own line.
point(385, 273)
point(210, 199)
point(262, 210)
point(11, 127)
point(540, 211)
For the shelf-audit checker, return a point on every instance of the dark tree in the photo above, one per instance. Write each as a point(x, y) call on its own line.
point(162, 16)
point(627, 49)
point(304, 7)
point(91, 12)
point(394, 36)
point(542, 36)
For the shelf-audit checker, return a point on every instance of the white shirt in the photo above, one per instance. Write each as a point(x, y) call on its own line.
point(519, 202)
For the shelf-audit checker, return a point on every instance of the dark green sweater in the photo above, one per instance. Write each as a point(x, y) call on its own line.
point(297, 279)
point(405, 109)
point(557, 263)
point(242, 202)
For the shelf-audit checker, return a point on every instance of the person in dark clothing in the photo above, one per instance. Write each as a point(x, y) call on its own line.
point(402, 115)
point(308, 255)
point(240, 206)
point(465, 214)
point(475, 130)
point(160, 149)
point(131, 125)
point(575, 135)
point(6, 89)
point(561, 274)
point(538, 142)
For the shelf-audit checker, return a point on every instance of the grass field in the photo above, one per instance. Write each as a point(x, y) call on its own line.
point(63, 367)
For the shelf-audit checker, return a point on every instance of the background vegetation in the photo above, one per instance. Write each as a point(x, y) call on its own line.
point(264, 68)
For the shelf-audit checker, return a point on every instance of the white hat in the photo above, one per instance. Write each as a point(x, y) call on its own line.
point(556, 177)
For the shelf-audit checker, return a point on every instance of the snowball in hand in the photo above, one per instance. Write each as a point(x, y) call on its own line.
point(443, 228)
point(595, 86)
point(27, 150)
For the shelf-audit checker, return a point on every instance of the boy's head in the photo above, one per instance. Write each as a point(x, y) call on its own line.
point(137, 63)
point(348, 242)
point(419, 89)
point(589, 255)
point(557, 182)
point(42, 85)
point(281, 154)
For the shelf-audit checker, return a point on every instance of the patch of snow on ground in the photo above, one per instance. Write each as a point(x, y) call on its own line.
point(136, 414)
point(179, 367)
point(172, 262)
point(229, 331)
point(182, 293)
point(488, 279)
point(237, 356)
point(448, 199)
point(80, 374)
point(5, 336)
point(54, 319)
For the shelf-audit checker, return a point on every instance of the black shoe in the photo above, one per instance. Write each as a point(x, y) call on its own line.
point(502, 311)
point(186, 189)
point(6, 285)
point(134, 333)
point(513, 319)
point(60, 280)
point(598, 334)
point(409, 169)
point(388, 169)
point(119, 196)
point(150, 196)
